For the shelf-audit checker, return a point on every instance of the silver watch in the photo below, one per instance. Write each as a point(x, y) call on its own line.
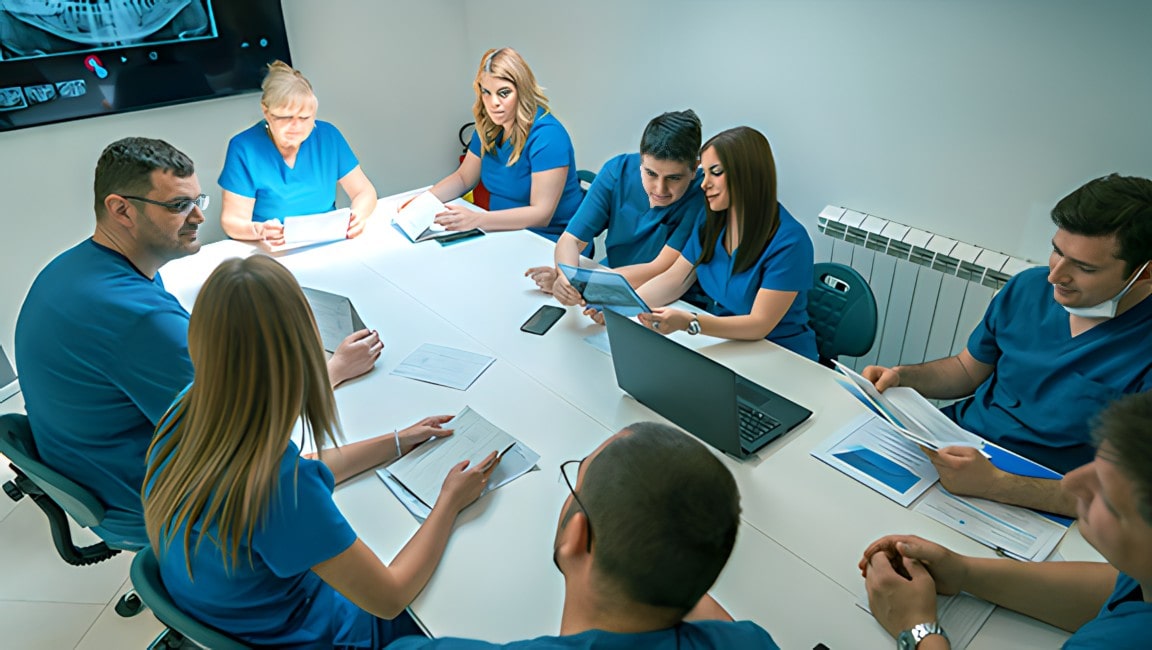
point(910, 639)
point(694, 326)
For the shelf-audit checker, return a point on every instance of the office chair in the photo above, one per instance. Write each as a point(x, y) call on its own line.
point(181, 627)
point(584, 178)
point(58, 497)
point(842, 311)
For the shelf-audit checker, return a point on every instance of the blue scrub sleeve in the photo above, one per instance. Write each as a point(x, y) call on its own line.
point(474, 144)
point(679, 237)
point(982, 342)
point(595, 210)
point(235, 177)
point(789, 266)
point(692, 248)
point(304, 526)
point(551, 148)
point(153, 364)
point(345, 159)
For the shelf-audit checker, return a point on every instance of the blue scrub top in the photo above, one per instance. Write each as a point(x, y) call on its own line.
point(548, 147)
point(102, 351)
point(698, 635)
point(254, 168)
point(276, 601)
point(1048, 385)
point(785, 265)
point(1124, 623)
point(637, 233)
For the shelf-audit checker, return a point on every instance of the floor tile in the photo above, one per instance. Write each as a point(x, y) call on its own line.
point(33, 571)
point(45, 626)
point(113, 631)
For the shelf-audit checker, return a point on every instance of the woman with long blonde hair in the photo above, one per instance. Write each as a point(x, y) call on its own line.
point(245, 529)
point(520, 151)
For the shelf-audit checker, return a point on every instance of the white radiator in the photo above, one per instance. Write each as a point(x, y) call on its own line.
point(931, 291)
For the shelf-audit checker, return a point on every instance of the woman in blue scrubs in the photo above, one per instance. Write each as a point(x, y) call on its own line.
point(289, 164)
point(521, 153)
point(752, 258)
point(247, 535)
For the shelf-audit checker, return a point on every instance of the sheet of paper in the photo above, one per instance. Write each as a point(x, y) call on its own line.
point(870, 451)
point(417, 219)
point(336, 318)
point(422, 471)
point(443, 366)
point(316, 228)
point(910, 413)
point(605, 290)
point(961, 615)
point(1013, 531)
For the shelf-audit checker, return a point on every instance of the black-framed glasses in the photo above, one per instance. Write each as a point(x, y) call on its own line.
point(571, 482)
point(179, 206)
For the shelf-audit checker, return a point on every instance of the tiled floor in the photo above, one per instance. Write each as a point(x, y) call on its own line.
point(46, 604)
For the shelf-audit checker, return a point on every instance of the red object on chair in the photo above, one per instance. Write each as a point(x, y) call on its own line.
point(480, 195)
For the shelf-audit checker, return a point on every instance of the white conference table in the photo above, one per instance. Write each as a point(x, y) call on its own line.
point(804, 524)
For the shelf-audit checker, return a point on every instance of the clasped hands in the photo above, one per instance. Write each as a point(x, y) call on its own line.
point(903, 574)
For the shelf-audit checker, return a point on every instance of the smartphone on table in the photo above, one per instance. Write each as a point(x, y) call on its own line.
point(543, 319)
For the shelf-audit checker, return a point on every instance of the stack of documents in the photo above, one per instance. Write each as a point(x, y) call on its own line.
point(335, 316)
point(443, 366)
point(871, 451)
point(416, 478)
point(417, 219)
point(309, 229)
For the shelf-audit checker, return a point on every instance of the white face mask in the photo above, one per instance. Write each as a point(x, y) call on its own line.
point(1106, 309)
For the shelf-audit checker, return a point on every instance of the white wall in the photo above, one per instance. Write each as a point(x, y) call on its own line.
point(970, 119)
point(966, 118)
point(395, 77)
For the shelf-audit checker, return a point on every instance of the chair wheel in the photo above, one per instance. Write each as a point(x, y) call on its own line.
point(129, 605)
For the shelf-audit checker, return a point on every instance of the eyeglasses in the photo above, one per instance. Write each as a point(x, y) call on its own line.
point(180, 206)
point(564, 469)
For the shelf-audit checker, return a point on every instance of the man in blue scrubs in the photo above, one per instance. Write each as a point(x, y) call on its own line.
point(637, 576)
point(102, 347)
point(1055, 346)
point(648, 202)
point(1105, 605)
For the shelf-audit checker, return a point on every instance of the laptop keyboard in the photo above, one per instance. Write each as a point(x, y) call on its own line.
point(754, 425)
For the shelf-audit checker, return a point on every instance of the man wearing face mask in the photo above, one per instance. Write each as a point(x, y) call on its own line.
point(1054, 347)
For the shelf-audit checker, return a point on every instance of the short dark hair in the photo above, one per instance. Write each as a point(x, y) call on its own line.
point(1126, 425)
point(126, 166)
point(664, 513)
point(1112, 205)
point(673, 136)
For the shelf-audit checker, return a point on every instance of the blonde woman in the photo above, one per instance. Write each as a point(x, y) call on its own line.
point(520, 151)
point(248, 537)
point(289, 164)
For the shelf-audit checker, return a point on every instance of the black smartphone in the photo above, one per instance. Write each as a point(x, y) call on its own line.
point(543, 319)
point(445, 240)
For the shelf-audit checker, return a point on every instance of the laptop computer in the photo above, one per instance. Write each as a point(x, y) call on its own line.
point(700, 395)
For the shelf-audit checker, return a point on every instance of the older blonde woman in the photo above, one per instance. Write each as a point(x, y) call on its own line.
point(519, 150)
point(289, 164)
point(245, 529)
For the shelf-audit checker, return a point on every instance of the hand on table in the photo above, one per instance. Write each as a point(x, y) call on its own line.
point(901, 592)
point(666, 320)
point(355, 356)
point(881, 377)
point(464, 484)
point(596, 315)
point(565, 293)
point(269, 232)
point(455, 217)
point(543, 276)
point(356, 225)
point(429, 427)
point(948, 570)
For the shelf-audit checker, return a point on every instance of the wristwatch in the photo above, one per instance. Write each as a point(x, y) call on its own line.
point(910, 639)
point(694, 326)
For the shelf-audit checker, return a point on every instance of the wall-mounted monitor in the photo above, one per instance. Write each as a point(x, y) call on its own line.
point(70, 59)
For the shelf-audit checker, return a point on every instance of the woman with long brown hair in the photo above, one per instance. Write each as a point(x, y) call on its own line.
point(245, 529)
point(752, 258)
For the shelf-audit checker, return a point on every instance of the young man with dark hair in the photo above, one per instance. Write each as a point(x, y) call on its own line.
point(1054, 347)
point(102, 347)
point(1104, 605)
point(650, 523)
point(648, 202)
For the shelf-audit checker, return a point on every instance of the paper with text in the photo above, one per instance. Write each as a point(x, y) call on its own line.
point(422, 471)
point(1013, 531)
point(336, 318)
point(309, 229)
point(417, 219)
point(443, 366)
point(870, 451)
